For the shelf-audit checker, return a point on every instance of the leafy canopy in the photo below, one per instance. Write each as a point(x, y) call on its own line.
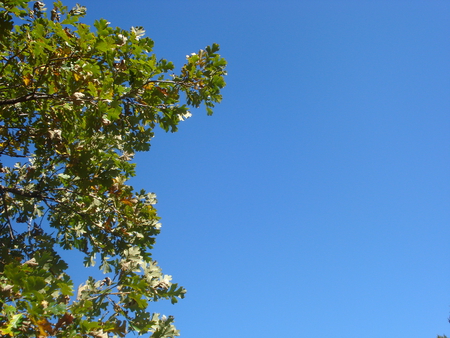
point(76, 103)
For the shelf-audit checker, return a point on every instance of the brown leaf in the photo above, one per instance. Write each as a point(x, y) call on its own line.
point(64, 320)
point(45, 327)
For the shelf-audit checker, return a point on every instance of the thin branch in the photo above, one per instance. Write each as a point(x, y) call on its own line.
point(5, 208)
point(5, 147)
point(11, 58)
point(20, 192)
point(131, 93)
point(28, 97)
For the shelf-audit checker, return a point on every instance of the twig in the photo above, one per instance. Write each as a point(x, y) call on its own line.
point(8, 220)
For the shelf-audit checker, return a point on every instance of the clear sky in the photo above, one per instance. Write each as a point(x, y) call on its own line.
point(316, 200)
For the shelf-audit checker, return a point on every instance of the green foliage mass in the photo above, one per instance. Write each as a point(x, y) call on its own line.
point(76, 103)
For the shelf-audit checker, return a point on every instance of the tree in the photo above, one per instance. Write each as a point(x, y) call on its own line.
point(76, 103)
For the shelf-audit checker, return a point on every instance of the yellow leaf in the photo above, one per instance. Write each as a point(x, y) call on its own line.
point(149, 86)
point(44, 326)
point(127, 201)
point(27, 79)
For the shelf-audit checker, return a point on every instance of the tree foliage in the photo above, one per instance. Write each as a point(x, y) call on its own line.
point(76, 103)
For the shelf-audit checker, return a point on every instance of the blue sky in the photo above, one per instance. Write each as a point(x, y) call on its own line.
point(316, 200)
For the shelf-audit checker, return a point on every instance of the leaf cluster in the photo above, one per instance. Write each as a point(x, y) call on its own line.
point(76, 103)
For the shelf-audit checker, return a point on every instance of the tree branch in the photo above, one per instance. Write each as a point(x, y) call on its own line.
point(20, 192)
point(8, 220)
point(25, 98)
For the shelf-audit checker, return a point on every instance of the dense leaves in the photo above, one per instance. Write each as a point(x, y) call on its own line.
point(76, 103)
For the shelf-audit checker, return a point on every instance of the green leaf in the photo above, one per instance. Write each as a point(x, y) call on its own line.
point(12, 325)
